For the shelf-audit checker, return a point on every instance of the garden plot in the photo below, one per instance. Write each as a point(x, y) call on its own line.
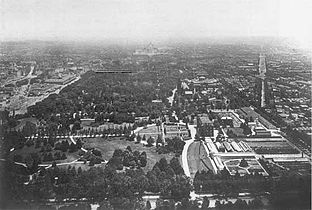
point(175, 130)
point(253, 166)
point(151, 131)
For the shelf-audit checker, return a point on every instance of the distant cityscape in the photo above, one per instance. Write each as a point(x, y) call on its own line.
point(173, 126)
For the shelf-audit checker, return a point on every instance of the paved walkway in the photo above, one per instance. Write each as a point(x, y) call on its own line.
point(185, 149)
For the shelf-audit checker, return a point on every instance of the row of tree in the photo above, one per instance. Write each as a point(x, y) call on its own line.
point(226, 184)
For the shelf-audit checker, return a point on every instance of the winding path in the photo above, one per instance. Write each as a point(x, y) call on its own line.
point(185, 149)
point(184, 158)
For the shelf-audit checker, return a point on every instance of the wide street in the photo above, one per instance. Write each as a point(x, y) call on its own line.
point(185, 149)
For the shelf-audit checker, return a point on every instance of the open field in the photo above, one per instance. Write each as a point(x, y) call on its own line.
point(108, 146)
point(197, 158)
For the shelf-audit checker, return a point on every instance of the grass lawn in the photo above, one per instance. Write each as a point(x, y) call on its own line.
point(196, 155)
point(108, 146)
point(24, 151)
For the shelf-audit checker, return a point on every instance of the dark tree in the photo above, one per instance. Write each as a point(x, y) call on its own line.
point(163, 164)
point(150, 141)
point(243, 163)
point(97, 152)
point(176, 166)
point(148, 205)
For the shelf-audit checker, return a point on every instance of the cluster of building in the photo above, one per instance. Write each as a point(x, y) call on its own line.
point(206, 92)
point(31, 79)
point(291, 86)
point(261, 143)
point(287, 84)
point(150, 51)
point(263, 139)
point(12, 70)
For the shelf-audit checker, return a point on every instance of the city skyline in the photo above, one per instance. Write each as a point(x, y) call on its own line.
point(154, 20)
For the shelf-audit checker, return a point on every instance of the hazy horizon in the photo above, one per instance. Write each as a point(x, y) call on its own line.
point(151, 20)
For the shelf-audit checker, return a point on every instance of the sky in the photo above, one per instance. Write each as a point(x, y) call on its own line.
point(154, 19)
